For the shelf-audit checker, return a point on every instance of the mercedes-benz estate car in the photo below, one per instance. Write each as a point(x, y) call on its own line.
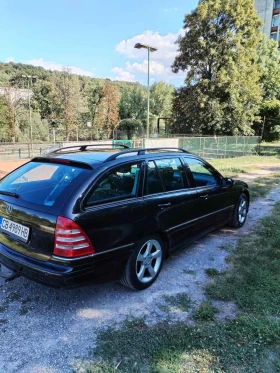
point(84, 215)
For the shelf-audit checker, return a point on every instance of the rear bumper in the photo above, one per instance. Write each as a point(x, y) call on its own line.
point(66, 273)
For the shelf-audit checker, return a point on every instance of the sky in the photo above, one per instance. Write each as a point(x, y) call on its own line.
point(94, 37)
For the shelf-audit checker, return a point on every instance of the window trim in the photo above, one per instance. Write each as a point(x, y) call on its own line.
point(106, 172)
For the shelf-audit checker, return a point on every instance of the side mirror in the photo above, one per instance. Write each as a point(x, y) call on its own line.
point(227, 182)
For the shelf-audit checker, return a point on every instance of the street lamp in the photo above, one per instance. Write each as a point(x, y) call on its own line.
point(150, 49)
point(30, 77)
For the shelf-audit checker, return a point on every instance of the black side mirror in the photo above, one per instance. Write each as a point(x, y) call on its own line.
point(227, 182)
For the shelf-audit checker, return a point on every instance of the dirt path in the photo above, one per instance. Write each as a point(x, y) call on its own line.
point(45, 330)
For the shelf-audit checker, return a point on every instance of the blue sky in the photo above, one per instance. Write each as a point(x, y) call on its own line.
point(94, 38)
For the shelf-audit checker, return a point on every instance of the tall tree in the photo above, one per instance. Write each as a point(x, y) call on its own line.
point(70, 101)
point(218, 52)
point(133, 103)
point(107, 116)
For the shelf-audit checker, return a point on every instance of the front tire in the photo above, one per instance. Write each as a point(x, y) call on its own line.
point(240, 212)
point(144, 264)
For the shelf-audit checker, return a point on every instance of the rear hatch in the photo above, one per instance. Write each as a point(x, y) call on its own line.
point(31, 198)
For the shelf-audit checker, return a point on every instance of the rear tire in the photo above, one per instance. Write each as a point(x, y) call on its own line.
point(144, 264)
point(240, 212)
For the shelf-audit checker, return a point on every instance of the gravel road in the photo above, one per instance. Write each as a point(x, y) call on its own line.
point(45, 330)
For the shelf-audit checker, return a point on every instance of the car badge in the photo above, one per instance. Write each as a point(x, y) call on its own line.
point(9, 209)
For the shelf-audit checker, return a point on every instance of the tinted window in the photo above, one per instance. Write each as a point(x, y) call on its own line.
point(153, 182)
point(171, 173)
point(120, 183)
point(40, 183)
point(203, 174)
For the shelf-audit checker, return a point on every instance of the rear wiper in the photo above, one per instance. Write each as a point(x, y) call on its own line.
point(9, 193)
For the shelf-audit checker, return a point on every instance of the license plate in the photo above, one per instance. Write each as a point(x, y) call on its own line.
point(18, 230)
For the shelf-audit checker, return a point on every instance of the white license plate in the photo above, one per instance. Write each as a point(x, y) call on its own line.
point(18, 230)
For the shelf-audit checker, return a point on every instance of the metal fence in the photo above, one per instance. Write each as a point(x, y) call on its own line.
point(221, 147)
point(208, 147)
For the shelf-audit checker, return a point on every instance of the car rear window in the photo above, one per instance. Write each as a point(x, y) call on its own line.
point(40, 183)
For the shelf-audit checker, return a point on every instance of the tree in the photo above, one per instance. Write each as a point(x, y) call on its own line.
point(69, 101)
point(268, 59)
point(130, 126)
point(133, 103)
point(161, 99)
point(107, 114)
point(218, 51)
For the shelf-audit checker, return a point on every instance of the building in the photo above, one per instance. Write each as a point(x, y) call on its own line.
point(269, 12)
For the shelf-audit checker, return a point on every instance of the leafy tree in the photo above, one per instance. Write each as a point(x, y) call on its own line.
point(133, 103)
point(218, 52)
point(161, 99)
point(270, 112)
point(130, 126)
point(268, 59)
point(107, 115)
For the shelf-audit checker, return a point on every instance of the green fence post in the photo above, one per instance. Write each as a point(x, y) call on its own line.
point(19, 153)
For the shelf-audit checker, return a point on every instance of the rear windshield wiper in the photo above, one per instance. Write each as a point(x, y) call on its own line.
point(9, 193)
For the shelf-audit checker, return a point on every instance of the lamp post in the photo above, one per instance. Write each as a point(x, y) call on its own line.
point(150, 49)
point(30, 77)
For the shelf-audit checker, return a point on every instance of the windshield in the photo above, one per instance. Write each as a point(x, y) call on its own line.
point(40, 183)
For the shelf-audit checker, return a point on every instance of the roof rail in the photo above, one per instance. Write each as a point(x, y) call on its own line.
point(142, 152)
point(83, 148)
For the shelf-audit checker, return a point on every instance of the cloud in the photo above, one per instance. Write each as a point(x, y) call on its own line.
point(10, 59)
point(161, 60)
point(156, 68)
point(167, 49)
point(123, 75)
point(49, 65)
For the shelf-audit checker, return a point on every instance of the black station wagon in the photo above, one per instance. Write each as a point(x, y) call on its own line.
point(84, 214)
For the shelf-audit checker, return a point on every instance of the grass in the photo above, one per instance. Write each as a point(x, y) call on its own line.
point(212, 272)
point(254, 280)
point(230, 167)
point(248, 344)
point(178, 302)
point(205, 312)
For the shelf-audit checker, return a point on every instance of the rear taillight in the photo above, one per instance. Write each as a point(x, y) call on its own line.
point(70, 240)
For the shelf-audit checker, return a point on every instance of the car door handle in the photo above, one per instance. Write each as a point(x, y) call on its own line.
point(205, 196)
point(164, 205)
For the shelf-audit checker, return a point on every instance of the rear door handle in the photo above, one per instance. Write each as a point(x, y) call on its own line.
point(164, 205)
point(205, 196)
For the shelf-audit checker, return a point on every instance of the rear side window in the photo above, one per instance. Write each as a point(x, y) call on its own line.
point(171, 173)
point(202, 173)
point(120, 183)
point(40, 183)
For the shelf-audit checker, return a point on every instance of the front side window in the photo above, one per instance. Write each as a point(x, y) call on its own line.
point(120, 183)
point(202, 173)
point(171, 173)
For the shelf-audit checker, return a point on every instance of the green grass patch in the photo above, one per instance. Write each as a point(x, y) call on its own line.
point(244, 345)
point(212, 272)
point(254, 279)
point(230, 167)
point(178, 302)
point(205, 312)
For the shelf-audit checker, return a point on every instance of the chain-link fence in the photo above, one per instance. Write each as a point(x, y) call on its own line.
point(221, 147)
point(208, 147)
